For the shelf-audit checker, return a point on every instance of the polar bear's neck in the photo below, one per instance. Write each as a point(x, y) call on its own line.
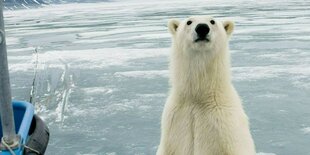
point(200, 74)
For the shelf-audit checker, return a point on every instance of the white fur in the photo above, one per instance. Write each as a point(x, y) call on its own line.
point(203, 114)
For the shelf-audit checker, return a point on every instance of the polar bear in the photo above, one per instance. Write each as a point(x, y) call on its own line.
point(203, 114)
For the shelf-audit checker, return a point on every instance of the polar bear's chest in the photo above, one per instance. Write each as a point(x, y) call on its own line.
point(199, 130)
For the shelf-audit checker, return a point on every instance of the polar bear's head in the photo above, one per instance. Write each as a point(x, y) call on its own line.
point(201, 34)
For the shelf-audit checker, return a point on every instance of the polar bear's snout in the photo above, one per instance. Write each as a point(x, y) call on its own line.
point(202, 31)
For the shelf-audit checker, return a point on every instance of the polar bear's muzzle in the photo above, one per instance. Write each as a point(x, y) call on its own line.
point(202, 31)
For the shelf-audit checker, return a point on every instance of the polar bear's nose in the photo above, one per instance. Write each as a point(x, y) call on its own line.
point(202, 30)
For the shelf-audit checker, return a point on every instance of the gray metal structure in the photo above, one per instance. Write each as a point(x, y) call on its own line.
point(6, 109)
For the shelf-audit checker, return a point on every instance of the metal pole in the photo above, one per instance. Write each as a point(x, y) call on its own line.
point(6, 109)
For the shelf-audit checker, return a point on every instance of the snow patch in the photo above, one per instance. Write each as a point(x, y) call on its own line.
point(306, 130)
point(261, 153)
point(100, 58)
point(298, 74)
point(143, 74)
point(20, 67)
point(98, 90)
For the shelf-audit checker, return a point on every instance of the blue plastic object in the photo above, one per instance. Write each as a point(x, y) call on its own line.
point(23, 115)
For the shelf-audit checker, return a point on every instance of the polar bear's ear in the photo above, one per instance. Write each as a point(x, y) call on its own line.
point(229, 27)
point(173, 25)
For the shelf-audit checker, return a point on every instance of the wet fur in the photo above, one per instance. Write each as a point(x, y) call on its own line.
point(203, 114)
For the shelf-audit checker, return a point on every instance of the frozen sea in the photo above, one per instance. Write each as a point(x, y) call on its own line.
point(102, 70)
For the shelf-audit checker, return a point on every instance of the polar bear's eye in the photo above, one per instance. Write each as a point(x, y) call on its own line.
point(189, 22)
point(212, 22)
